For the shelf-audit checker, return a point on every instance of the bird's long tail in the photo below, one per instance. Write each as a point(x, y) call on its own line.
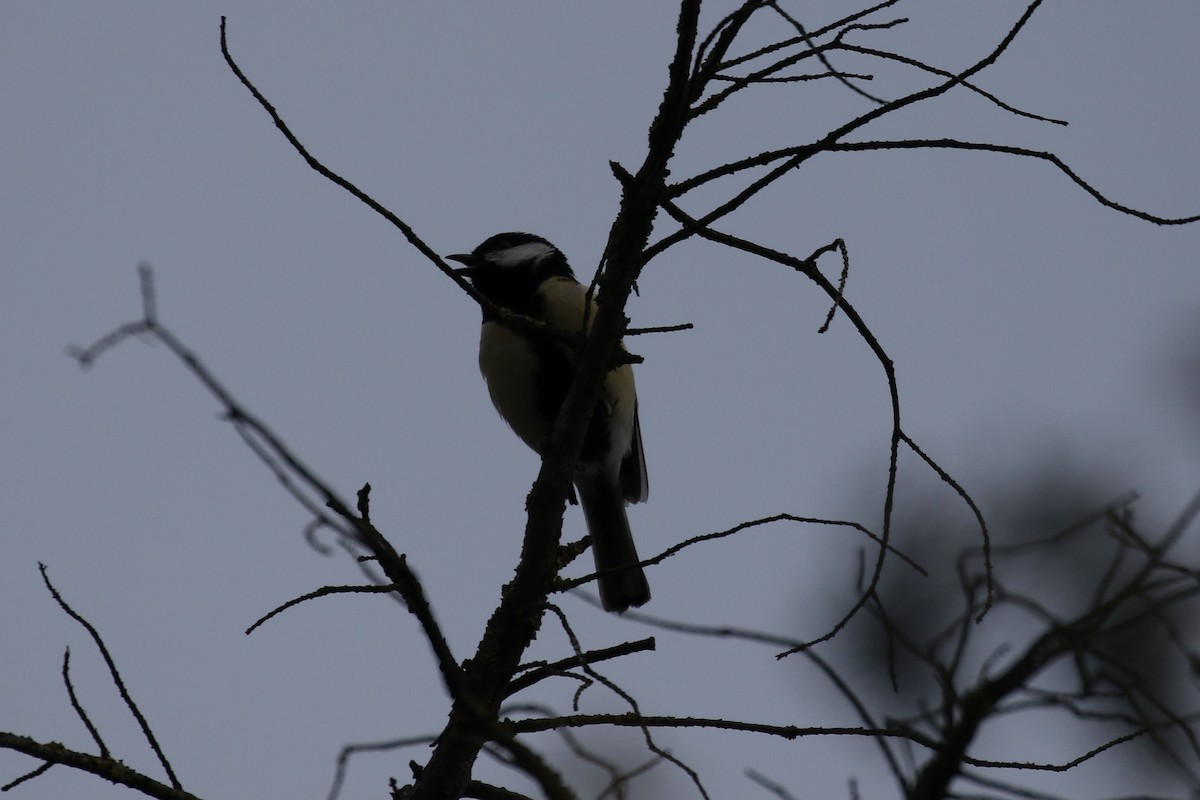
point(619, 574)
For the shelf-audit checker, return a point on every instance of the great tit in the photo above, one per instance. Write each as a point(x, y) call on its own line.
point(528, 376)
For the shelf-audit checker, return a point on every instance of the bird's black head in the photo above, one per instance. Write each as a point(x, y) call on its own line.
point(508, 268)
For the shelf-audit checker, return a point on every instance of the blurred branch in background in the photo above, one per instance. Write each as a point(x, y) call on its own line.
point(1091, 637)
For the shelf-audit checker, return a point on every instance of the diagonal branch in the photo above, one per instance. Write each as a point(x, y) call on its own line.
point(337, 179)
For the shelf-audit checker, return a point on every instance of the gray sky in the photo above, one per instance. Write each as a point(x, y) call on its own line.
point(1027, 323)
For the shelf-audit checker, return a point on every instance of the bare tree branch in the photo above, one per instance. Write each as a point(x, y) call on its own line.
point(107, 768)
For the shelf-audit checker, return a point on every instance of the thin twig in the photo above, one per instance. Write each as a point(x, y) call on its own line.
point(405, 229)
point(75, 704)
point(840, 44)
point(945, 477)
point(629, 700)
point(792, 732)
point(840, 244)
point(793, 156)
point(685, 326)
point(343, 759)
point(807, 267)
point(822, 57)
point(28, 776)
point(539, 672)
point(324, 591)
point(847, 22)
point(836, 135)
point(115, 675)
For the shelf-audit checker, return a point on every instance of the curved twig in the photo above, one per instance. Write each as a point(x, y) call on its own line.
point(808, 268)
point(324, 591)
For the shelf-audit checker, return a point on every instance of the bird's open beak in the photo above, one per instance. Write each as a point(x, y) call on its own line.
point(462, 258)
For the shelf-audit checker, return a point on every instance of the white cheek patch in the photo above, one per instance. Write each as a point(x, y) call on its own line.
point(530, 253)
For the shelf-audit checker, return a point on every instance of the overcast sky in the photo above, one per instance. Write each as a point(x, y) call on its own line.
point(1029, 326)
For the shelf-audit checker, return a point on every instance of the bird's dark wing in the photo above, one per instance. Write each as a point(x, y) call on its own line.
point(635, 485)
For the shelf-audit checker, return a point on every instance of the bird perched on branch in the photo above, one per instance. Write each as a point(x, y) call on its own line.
point(528, 375)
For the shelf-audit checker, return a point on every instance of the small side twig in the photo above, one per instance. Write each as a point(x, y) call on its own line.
point(324, 591)
point(840, 245)
point(686, 326)
point(537, 673)
point(28, 776)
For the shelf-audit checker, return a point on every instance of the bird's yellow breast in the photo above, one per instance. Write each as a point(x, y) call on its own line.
point(507, 364)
